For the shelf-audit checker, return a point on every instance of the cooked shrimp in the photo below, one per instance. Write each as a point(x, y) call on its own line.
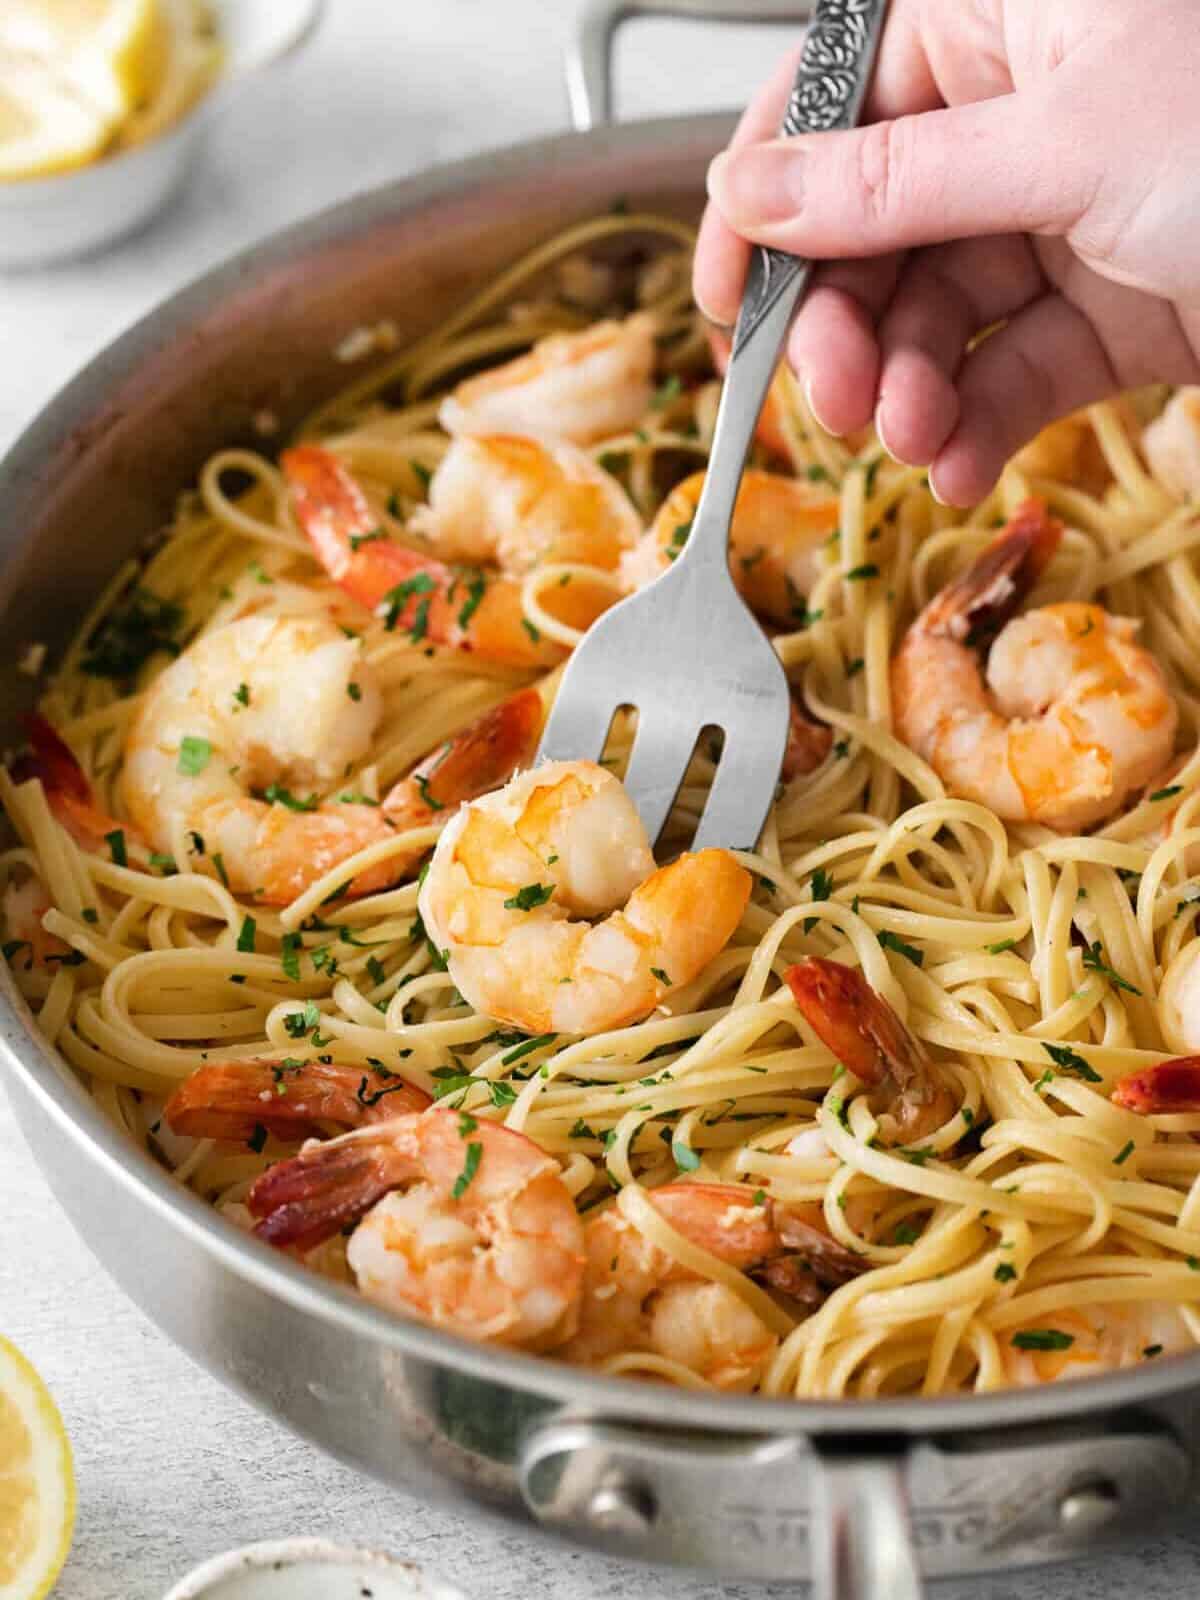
point(779, 526)
point(291, 1099)
point(1069, 451)
point(502, 500)
point(512, 870)
point(637, 1297)
point(575, 386)
point(1179, 1001)
point(25, 905)
point(868, 1038)
point(808, 744)
point(1092, 1338)
point(1073, 715)
point(277, 705)
point(1172, 444)
point(463, 1223)
point(68, 792)
point(461, 608)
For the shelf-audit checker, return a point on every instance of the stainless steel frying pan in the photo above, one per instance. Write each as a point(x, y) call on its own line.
point(861, 1495)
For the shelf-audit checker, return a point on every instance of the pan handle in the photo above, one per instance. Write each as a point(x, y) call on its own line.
point(862, 1534)
point(589, 62)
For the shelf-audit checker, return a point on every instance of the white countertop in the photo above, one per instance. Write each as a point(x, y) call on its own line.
point(171, 1467)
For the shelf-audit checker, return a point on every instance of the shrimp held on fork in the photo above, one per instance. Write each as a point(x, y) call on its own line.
point(281, 707)
point(515, 874)
point(459, 607)
point(290, 1099)
point(779, 528)
point(1072, 715)
point(575, 386)
point(863, 1032)
point(463, 1223)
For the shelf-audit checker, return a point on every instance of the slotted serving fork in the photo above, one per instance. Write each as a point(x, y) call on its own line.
point(686, 652)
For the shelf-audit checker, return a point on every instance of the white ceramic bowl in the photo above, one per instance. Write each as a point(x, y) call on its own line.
point(71, 213)
point(309, 1569)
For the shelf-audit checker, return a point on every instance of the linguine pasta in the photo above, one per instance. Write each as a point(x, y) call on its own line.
point(1028, 963)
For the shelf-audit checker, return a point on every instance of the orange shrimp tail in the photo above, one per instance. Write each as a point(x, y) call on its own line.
point(719, 1217)
point(809, 742)
point(974, 607)
point(304, 1201)
point(480, 758)
point(853, 1022)
point(1171, 1086)
point(68, 791)
point(233, 1099)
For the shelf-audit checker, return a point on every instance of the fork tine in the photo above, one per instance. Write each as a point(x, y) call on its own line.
point(577, 727)
point(661, 752)
point(742, 793)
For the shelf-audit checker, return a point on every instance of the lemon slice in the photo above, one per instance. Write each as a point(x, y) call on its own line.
point(37, 1485)
point(113, 53)
point(44, 128)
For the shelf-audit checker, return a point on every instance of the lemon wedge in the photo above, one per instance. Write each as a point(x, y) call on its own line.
point(44, 128)
point(37, 1485)
point(113, 53)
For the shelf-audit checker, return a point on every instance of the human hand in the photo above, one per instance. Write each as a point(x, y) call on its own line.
point(1032, 161)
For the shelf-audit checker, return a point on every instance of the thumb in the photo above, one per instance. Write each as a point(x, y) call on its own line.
point(993, 166)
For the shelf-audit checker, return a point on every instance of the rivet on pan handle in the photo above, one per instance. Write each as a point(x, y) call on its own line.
point(589, 62)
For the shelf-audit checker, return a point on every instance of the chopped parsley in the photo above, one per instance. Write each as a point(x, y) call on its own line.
point(276, 795)
point(431, 800)
point(245, 938)
point(667, 391)
point(1042, 1339)
point(658, 973)
point(241, 695)
point(532, 630)
point(906, 1233)
point(90, 914)
point(867, 570)
point(893, 941)
point(853, 668)
point(392, 606)
point(822, 887)
point(375, 970)
point(815, 473)
point(297, 1023)
point(289, 956)
point(218, 861)
point(685, 1157)
point(196, 842)
point(470, 1168)
point(1152, 1350)
point(1093, 961)
point(476, 588)
point(257, 1139)
point(357, 539)
point(194, 755)
point(128, 637)
point(999, 949)
point(841, 748)
point(1123, 1154)
point(1005, 1273)
point(165, 864)
point(503, 1094)
point(1071, 1062)
point(580, 1130)
point(527, 1048)
point(1167, 794)
point(421, 472)
point(679, 538)
point(116, 844)
point(354, 690)
point(533, 894)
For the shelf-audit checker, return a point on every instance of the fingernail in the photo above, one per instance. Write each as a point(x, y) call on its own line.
point(882, 436)
point(764, 183)
point(933, 488)
point(806, 384)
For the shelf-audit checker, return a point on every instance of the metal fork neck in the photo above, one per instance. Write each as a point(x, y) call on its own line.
point(758, 340)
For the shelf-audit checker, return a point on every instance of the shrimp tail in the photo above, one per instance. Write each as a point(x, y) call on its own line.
point(233, 1099)
point(480, 758)
point(809, 742)
point(975, 606)
point(68, 792)
point(813, 1258)
point(1170, 1086)
point(328, 1187)
point(856, 1023)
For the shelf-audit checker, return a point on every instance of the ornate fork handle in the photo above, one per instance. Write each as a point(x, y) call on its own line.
point(831, 84)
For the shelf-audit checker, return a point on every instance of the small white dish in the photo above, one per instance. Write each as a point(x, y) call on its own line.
point(309, 1569)
point(73, 213)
